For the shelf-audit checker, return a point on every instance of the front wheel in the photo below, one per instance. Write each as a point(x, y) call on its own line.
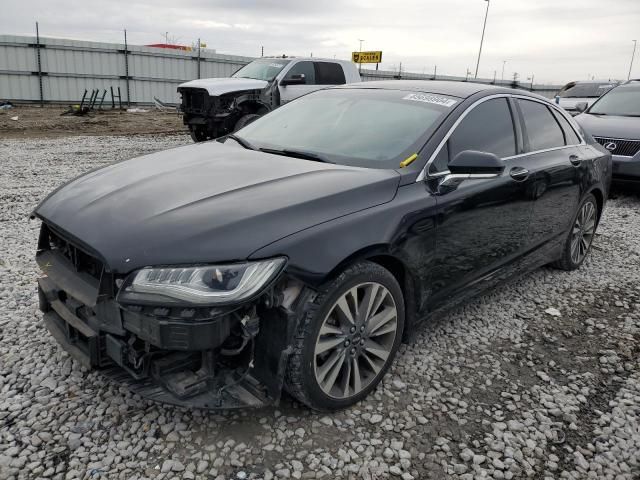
point(347, 338)
point(580, 236)
point(199, 133)
point(246, 120)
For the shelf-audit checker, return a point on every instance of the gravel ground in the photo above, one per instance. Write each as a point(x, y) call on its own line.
point(539, 379)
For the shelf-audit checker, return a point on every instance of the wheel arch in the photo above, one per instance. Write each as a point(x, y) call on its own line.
point(254, 106)
point(381, 255)
point(597, 192)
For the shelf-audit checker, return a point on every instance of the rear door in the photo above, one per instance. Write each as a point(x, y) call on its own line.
point(482, 222)
point(553, 157)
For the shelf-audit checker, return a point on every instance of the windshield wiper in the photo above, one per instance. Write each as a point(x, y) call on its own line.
point(241, 141)
point(297, 154)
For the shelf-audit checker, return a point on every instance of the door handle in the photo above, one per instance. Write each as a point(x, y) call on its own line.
point(575, 160)
point(519, 174)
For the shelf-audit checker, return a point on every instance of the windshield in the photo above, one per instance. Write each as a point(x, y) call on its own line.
point(584, 90)
point(360, 127)
point(263, 69)
point(624, 101)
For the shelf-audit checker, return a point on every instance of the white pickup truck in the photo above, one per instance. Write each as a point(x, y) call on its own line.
point(213, 107)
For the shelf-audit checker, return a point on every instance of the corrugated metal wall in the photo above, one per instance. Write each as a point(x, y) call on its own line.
point(69, 67)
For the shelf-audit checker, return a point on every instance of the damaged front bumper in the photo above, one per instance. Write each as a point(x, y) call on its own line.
point(217, 358)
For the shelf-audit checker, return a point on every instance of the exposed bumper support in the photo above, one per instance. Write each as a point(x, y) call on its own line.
point(178, 378)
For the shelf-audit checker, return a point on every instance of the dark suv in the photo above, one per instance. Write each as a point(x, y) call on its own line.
point(614, 121)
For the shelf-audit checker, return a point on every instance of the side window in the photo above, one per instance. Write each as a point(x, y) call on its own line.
point(570, 134)
point(329, 73)
point(486, 128)
point(542, 128)
point(305, 68)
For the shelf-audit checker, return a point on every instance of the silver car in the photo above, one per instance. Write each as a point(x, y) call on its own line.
point(574, 93)
point(614, 121)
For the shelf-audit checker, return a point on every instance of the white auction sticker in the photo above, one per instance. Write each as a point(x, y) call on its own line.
point(427, 98)
point(276, 65)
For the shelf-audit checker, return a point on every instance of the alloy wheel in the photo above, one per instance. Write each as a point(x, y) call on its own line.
point(583, 231)
point(355, 340)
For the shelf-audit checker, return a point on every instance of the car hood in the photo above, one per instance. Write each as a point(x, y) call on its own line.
point(204, 203)
point(610, 126)
point(220, 86)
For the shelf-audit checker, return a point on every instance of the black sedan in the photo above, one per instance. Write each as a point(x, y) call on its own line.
point(299, 252)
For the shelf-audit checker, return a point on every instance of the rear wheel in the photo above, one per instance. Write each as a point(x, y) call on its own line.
point(580, 236)
point(347, 338)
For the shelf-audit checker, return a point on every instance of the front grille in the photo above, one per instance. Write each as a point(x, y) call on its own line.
point(194, 100)
point(80, 259)
point(625, 148)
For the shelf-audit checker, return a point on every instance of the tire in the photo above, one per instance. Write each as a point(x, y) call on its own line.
point(583, 229)
point(246, 120)
point(310, 371)
point(199, 134)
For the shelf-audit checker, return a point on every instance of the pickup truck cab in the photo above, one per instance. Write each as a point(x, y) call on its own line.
point(213, 107)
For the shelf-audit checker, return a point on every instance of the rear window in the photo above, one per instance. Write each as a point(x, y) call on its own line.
point(570, 134)
point(543, 130)
point(328, 73)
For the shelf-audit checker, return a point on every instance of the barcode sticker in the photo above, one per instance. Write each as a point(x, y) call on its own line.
point(428, 98)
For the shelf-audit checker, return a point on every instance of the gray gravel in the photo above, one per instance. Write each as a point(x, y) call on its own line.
point(539, 379)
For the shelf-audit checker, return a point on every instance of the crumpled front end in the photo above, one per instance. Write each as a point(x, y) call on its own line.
point(194, 356)
point(211, 116)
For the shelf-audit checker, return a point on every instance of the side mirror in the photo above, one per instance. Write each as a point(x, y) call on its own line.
point(581, 106)
point(470, 162)
point(298, 79)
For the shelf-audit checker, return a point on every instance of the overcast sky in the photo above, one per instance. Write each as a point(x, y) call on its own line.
point(555, 40)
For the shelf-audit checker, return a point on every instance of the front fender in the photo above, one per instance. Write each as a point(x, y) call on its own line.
point(403, 229)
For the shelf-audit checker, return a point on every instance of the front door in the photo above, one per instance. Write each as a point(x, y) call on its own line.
point(291, 92)
point(482, 222)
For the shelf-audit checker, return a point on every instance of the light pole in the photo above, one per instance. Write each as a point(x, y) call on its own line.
point(504, 62)
point(635, 42)
point(359, 59)
point(484, 26)
point(531, 78)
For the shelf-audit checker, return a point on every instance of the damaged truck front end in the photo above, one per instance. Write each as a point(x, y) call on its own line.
point(155, 332)
point(211, 116)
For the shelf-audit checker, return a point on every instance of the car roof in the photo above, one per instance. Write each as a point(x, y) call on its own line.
point(311, 59)
point(593, 82)
point(441, 87)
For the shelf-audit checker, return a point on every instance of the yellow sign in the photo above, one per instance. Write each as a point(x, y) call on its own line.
point(366, 57)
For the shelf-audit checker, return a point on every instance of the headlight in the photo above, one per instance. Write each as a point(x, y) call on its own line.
point(199, 285)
